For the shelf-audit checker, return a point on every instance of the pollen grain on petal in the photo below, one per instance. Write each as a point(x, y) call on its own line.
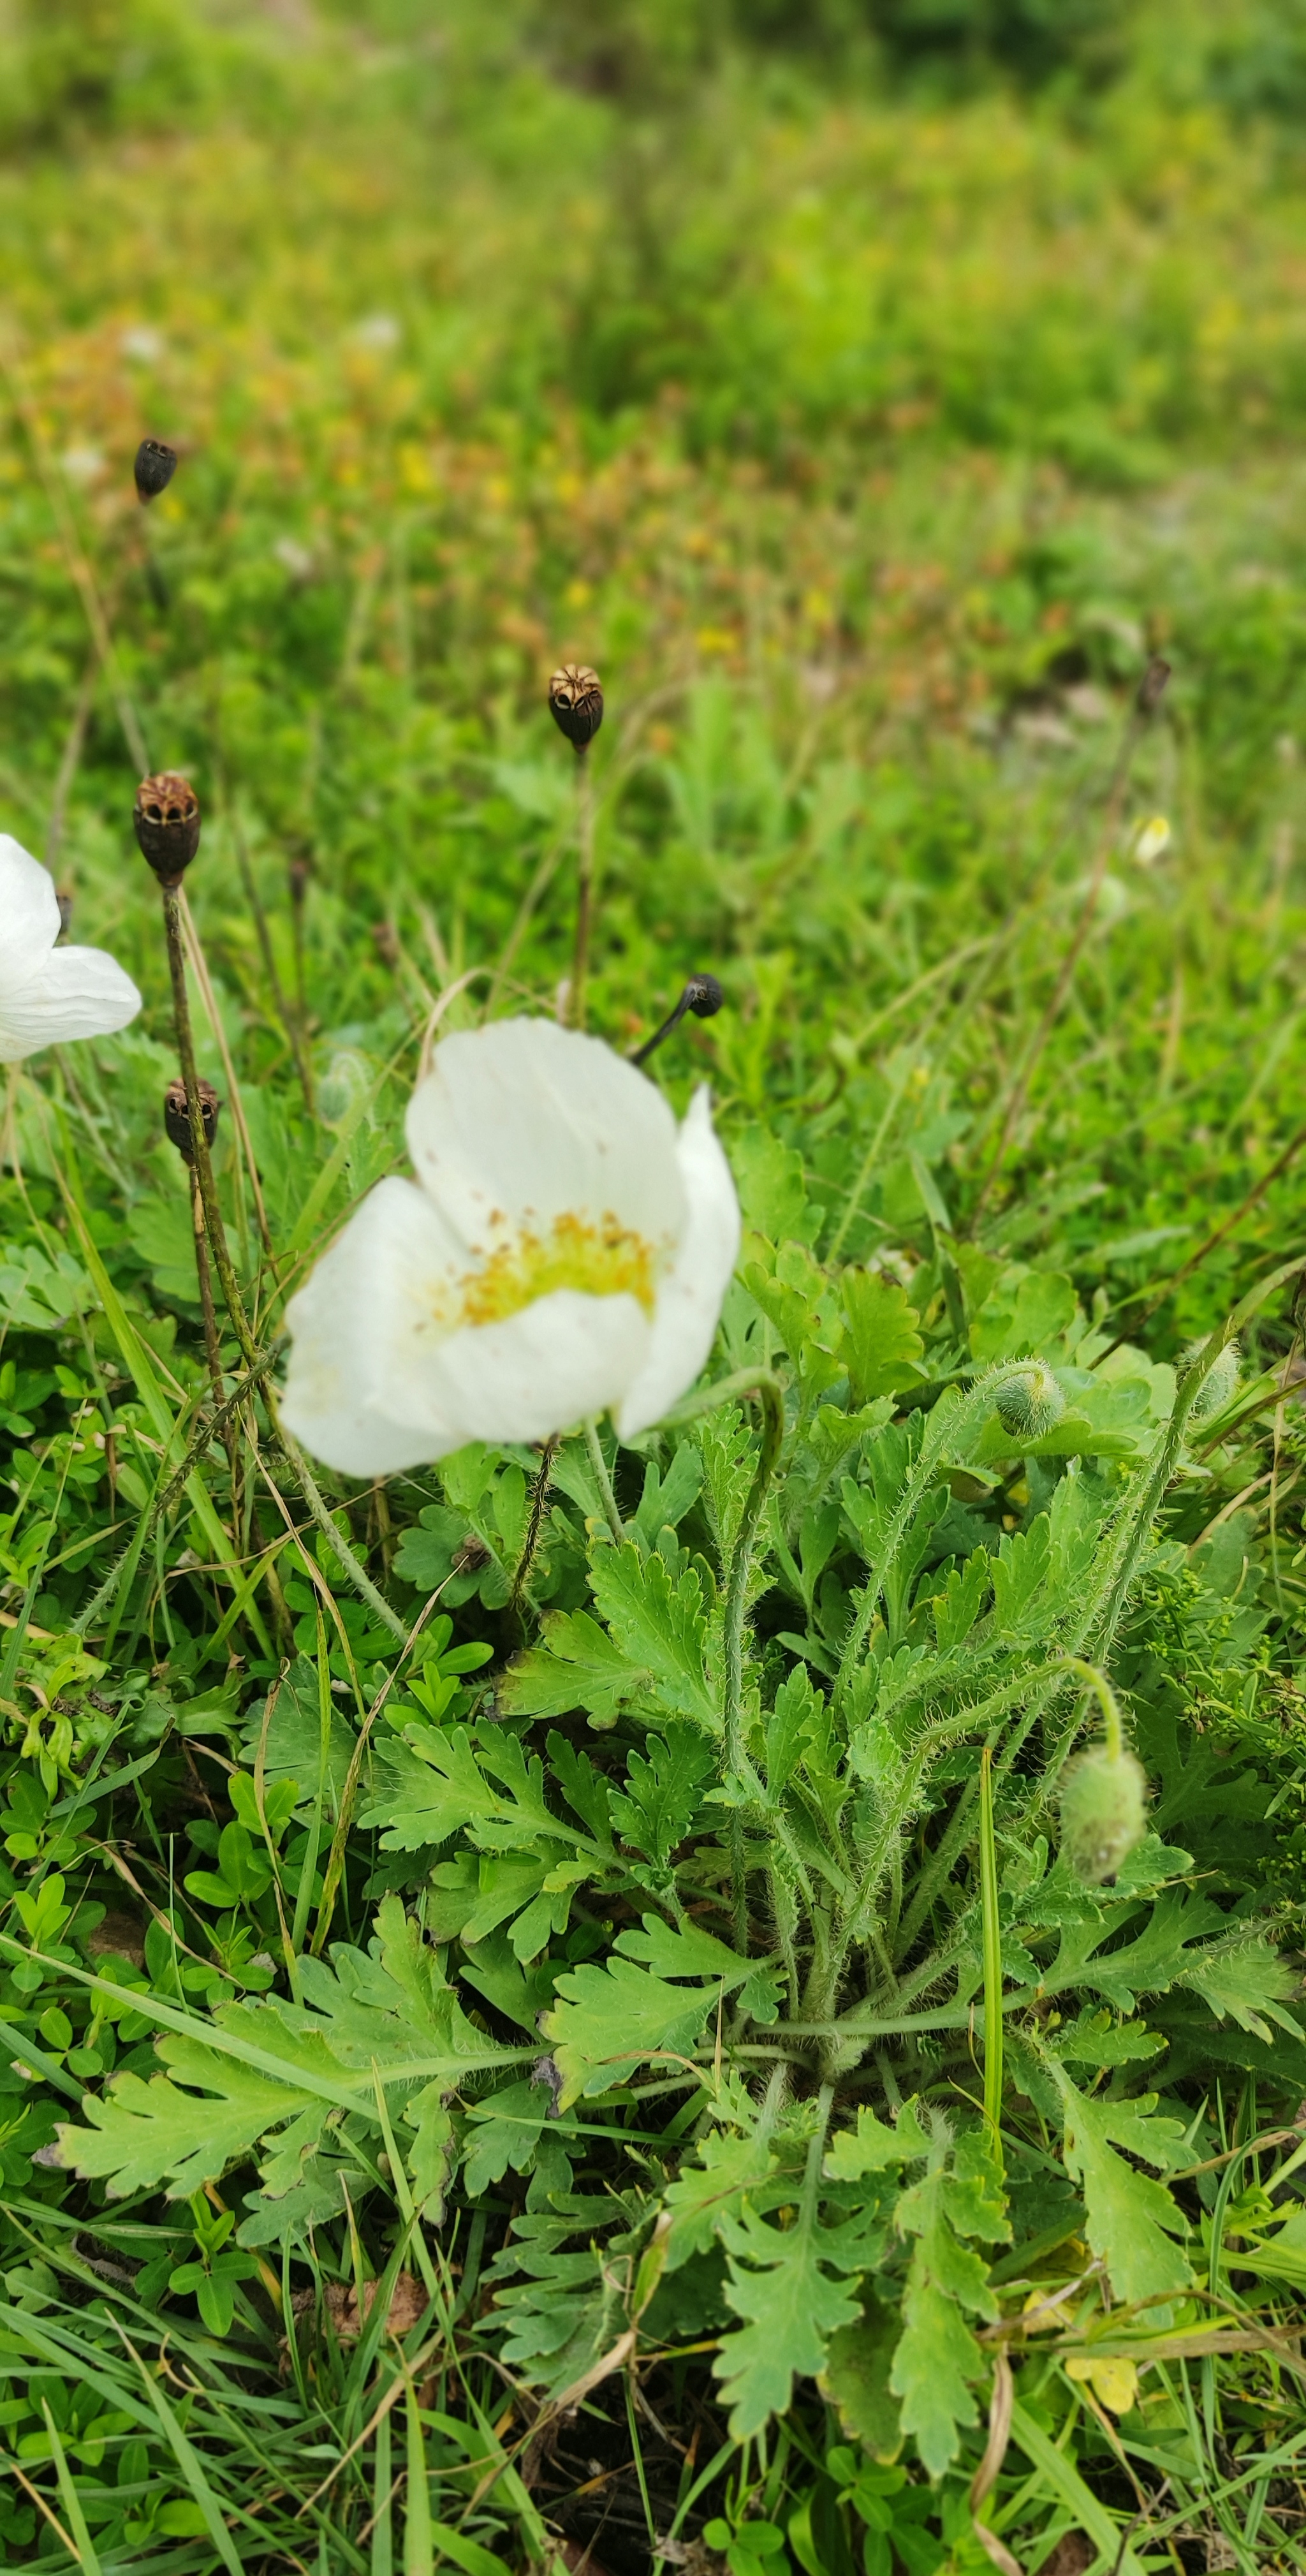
point(603, 1259)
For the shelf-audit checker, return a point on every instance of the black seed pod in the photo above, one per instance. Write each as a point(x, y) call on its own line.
point(703, 996)
point(176, 1116)
point(576, 703)
point(167, 821)
point(154, 468)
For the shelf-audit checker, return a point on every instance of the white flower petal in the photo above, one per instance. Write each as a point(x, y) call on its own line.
point(523, 1121)
point(75, 993)
point(29, 914)
point(554, 1365)
point(689, 1297)
point(377, 1382)
point(371, 1297)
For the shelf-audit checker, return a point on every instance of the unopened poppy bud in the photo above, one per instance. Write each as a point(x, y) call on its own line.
point(703, 996)
point(176, 1116)
point(1220, 1384)
point(1151, 688)
point(154, 468)
point(167, 820)
point(1103, 1812)
point(576, 703)
point(1030, 1403)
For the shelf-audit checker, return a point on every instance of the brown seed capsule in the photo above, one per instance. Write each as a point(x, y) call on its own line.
point(576, 703)
point(167, 821)
point(176, 1116)
point(154, 468)
point(1151, 688)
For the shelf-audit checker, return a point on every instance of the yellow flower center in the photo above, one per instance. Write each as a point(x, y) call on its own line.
point(603, 1260)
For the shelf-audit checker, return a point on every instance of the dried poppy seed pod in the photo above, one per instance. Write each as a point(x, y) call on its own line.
point(167, 822)
point(1103, 1812)
point(1030, 1403)
point(1151, 688)
point(703, 996)
point(154, 468)
point(176, 1116)
point(576, 703)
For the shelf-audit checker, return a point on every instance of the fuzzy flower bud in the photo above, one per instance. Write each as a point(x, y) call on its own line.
point(1103, 1811)
point(176, 1116)
point(1030, 1403)
point(1220, 1384)
point(166, 817)
point(154, 468)
point(576, 703)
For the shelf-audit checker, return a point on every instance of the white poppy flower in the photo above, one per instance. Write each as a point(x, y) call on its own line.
point(48, 994)
point(563, 1252)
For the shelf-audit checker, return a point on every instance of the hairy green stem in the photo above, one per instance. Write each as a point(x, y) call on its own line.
point(992, 1949)
point(769, 1395)
point(604, 1482)
point(947, 1426)
point(341, 1548)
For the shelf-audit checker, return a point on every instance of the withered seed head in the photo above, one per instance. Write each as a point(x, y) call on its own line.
point(1152, 686)
point(154, 468)
point(703, 996)
point(576, 703)
point(167, 821)
point(176, 1116)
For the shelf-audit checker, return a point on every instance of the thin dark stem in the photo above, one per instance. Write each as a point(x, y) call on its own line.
point(770, 1396)
point(584, 886)
point(672, 1021)
point(232, 1298)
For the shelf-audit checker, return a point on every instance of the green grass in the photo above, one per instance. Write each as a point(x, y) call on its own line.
point(868, 424)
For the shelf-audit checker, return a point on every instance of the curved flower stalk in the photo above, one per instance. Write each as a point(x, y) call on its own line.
point(48, 994)
point(563, 1252)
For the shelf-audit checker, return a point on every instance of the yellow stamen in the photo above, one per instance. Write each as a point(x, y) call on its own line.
point(603, 1260)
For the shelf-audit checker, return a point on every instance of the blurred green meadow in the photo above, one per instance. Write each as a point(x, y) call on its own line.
point(870, 390)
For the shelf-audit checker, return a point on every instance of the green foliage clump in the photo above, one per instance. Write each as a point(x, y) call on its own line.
point(599, 2032)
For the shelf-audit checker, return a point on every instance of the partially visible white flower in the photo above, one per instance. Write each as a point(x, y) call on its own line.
point(563, 1252)
point(378, 331)
point(83, 464)
point(48, 994)
point(295, 559)
point(1153, 839)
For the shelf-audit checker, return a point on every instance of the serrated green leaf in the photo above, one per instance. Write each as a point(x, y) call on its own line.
point(879, 1345)
point(1131, 2220)
point(578, 1666)
point(705, 2193)
point(790, 2306)
point(1248, 1981)
point(606, 2020)
point(659, 1622)
point(663, 1792)
point(872, 2147)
